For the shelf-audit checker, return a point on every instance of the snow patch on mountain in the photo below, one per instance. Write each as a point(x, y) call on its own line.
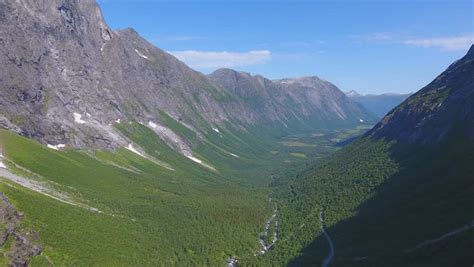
point(56, 147)
point(141, 55)
point(78, 118)
point(234, 155)
point(191, 157)
point(131, 148)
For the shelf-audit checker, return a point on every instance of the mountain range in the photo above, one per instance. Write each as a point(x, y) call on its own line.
point(378, 104)
point(114, 152)
point(67, 77)
point(105, 133)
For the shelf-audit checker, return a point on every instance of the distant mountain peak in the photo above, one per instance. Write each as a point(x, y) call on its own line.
point(128, 30)
point(301, 79)
point(301, 98)
point(352, 93)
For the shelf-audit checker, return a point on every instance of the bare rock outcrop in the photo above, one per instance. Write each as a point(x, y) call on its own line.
point(24, 243)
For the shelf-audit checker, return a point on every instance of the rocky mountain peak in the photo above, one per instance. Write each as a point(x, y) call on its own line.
point(82, 17)
point(439, 109)
point(292, 98)
point(470, 53)
point(128, 31)
point(352, 93)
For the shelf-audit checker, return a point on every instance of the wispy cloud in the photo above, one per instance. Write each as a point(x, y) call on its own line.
point(376, 37)
point(222, 59)
point(444, 43)
point(379, 37)
point(454, 43)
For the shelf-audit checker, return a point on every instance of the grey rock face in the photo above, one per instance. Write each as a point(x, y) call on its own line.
point(66, 77)
point(282, 100)
point(24, 242)
point(445, 106)
point(59, 58)
point(49, 54)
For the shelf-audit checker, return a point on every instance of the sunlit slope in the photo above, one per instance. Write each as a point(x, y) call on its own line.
point(147, 214)
point(154, 205)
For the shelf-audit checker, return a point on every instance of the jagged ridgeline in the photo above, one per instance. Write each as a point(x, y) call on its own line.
point(399, 196)
point(117, 153)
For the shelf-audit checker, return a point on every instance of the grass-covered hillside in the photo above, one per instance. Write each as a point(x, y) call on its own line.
point(148, 214)
point(159, 208)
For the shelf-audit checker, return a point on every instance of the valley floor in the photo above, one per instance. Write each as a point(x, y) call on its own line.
point(122, 209)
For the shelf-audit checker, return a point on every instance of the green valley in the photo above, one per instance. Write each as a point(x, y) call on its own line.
point(164, 207)
point(115, 152)
point(401, 195)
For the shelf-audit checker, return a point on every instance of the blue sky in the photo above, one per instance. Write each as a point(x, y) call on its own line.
point(367, 46)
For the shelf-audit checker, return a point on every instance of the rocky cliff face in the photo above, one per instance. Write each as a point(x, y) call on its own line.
point(49, 63)
point(289, 99)
point(441, 108)
point(66, 78)
point(24, 242)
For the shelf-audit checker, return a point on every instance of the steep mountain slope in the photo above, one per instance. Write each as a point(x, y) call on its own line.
point(122, 209)
point(436, 110)
point(380, 105)
point(295, 103)
point(400, 196)
point(67, 77)
point(126, 156)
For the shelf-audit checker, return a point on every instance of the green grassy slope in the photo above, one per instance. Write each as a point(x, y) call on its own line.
point(151, 215)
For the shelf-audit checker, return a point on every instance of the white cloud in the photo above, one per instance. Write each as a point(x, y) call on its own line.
point(379, 37)
point(222, 59)
point(375, 37)
point(444, 43)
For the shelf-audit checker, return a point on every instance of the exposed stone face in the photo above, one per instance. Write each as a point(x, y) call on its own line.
point(60, 57)
point(50, 57)
point(24, 242)
point(59, 61)
point(441, 108)
point(280, 100)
